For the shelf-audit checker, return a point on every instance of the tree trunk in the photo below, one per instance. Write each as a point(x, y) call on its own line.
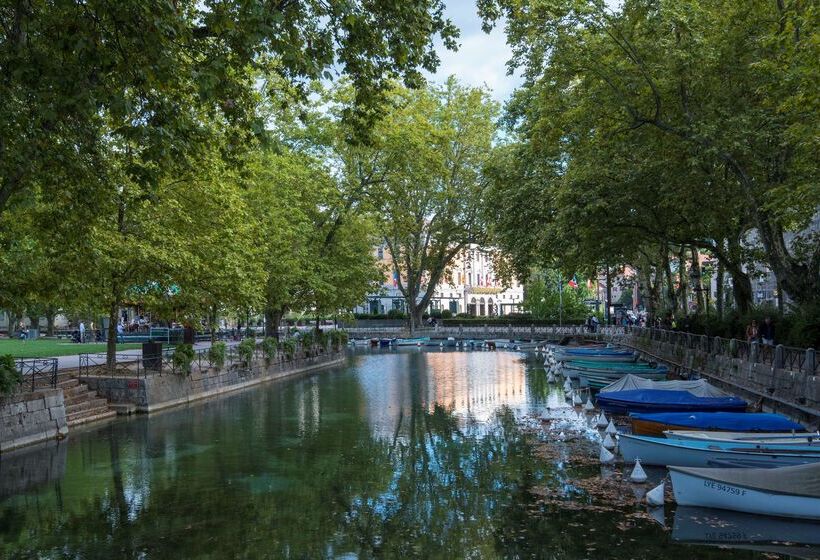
point(697, 277)
point(111, 344)
point(719, 289)
point(272, 319)
point(608, 295)
point(51, 314)
point(800, 278)
point(670, 283)
point(14, 323)
point(741, 289)
point(683, 282)
point(212, 323)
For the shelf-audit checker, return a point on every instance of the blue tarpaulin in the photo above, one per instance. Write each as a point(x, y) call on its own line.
point(657, 400)
point(726, 421)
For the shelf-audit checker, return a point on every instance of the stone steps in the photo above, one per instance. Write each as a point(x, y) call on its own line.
point(82, 405)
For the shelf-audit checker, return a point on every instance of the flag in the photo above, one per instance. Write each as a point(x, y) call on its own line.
point(395, 278)
point(573, 283)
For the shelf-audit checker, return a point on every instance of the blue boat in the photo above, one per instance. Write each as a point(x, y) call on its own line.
point(655, 424)
point(656, 400)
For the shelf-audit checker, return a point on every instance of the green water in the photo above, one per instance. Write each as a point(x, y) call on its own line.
point(397, 455)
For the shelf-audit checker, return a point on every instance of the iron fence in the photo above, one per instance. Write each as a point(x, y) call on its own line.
point(139, 366)
point(37, 372)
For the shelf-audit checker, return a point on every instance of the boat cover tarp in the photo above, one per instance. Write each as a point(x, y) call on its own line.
point(799, 480)
point(699, 388)
point(640, 366)
point(726, 421)
point(595, 352)
point(657, 398)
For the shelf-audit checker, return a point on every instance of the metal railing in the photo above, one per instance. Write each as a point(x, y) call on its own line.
point(136, 365)
point(778, 356)
point(37, 372)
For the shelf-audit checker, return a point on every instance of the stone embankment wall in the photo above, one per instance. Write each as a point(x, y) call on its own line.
point(28, 418)
point(794, 392)
point(152, 392)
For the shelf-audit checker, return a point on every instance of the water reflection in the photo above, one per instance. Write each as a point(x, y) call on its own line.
point(799, 539)
point(30, 468)
point(403, 454)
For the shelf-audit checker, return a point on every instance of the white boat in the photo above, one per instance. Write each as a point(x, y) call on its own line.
point(764, 439)
point(783, 492)
point(717, 527)
point(690, 453)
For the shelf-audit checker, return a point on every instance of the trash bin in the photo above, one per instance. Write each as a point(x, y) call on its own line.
point(152, 355)
point(188, 336)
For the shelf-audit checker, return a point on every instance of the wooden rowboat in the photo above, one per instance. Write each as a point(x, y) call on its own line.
point(784, 492)
point(656, 424)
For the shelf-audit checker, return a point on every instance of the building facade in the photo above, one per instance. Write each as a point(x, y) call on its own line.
point(469, 286)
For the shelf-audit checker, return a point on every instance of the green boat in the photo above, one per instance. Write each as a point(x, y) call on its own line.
point(600, 374)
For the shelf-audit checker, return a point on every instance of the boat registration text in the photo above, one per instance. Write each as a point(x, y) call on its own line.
point(720, 487)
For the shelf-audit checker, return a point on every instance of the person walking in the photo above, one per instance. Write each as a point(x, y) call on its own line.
point(120, 331)
point(767, 332)
point(752, 332)
point(82, 331)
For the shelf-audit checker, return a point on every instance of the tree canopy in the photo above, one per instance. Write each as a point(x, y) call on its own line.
point(661, 126)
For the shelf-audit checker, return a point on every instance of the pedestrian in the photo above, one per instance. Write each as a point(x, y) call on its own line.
point(120, 331)
point(767, 332)
point(752, 332)
point(82, 331)
point(594, 323)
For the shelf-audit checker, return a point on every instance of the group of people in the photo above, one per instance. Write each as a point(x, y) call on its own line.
point(761, 333)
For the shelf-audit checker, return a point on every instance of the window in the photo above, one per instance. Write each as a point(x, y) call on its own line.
point(380, 251)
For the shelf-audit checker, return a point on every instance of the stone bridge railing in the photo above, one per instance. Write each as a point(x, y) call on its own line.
point(484, 332)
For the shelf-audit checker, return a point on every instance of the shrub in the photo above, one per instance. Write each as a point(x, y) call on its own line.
point(183, 356)
point(446, 314)
point(321, 339)
point(9, 375)
point(308, 339)
point(338, 339)
point(269, 347)
point(396, 314)
point(216, 354)
point(245, 349)
point(289, 348)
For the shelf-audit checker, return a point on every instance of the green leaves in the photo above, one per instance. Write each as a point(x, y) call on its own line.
point(661, 122)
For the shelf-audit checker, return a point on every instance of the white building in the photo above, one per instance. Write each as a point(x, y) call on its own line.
point(469, 286)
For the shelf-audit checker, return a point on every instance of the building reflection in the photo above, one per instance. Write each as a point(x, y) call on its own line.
point(472, 385)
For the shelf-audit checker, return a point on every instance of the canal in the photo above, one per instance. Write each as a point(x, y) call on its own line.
point(409, 454)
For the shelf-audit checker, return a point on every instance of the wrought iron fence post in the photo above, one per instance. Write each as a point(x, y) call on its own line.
point(777, 361)
point(811, 362)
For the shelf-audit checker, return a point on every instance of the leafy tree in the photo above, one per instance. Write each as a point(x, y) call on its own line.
point(154, 67)
point(547, 295)
point(420, 174)
point(663, 118)
point(314, 246)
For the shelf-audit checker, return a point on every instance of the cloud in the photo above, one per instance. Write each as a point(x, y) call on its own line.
point(481, 58)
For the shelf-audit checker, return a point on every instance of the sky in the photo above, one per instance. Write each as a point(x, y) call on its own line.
point(481, 59)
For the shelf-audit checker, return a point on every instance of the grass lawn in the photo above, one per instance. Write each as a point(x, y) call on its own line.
point(50, 348)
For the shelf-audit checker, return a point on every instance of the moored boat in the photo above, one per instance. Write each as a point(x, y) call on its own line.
point(698, 387)
point(768, 440)
point(655, 400)
point(412, 341)
point(784, 492)
point(600, 374)
point(665, 452)
point(654, 424)
point(603, 355)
